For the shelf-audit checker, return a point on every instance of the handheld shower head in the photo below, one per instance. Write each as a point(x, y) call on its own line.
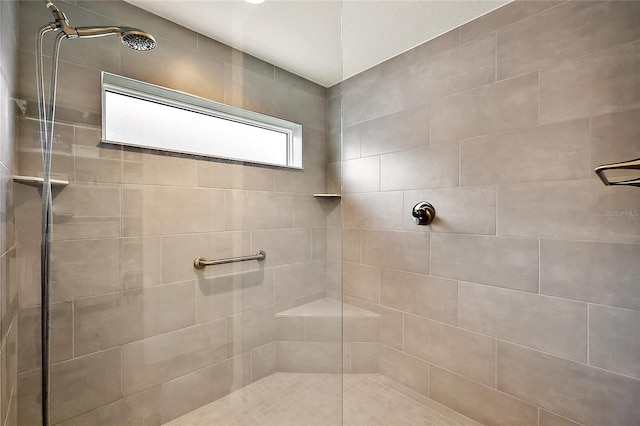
point(133, 38)
point(138, 40)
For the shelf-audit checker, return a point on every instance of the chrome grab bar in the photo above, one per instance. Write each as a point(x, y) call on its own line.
point(201, 262)
point(627, 165)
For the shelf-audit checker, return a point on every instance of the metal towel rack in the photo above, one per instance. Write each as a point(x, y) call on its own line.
point(201, 262)
point(627, 165)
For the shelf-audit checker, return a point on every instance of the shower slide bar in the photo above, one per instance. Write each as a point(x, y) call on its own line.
point(201, 262)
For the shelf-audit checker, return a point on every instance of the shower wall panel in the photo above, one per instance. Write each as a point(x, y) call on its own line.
point(521, 301)
point(8, 265)
point(138, 335)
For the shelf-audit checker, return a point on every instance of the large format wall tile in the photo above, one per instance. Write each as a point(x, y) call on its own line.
point(146, 168)
point(402, 130)
point(422, 52)
point(250, 330)
point(311, 180)
point(382, 96)
point(503, 262)
point(142, 408)
point(575, 209)
point(350, 245)
point(299, 280)
point(85, 267)
point(361, 281)
point(505, 15)
point(70, 382)
point(601, 83)
point(553, 325)
point(456, 70)
point(588, 395)
point(469, 354)
point(473, 400)
point(156, 360)
point(225, 295)
point(29, 340)
point(106, 321)
point(614, 138)
point(391, 322)
point(309, 357)
point(550, 419)
point(282, 245)
point(378, 210)
point(186, 393)
point(614, 340)
point(263, 361)
point(9, 367)
point(407, 251)
point(258, 92)
point(604, 273)
point(9, 297)
point(429, 297)
point(140, 261)
point(86, 212)
point(70, 397)
point(203, 77)
point(154, 210)
point(571, 30)
point(470, 210)
point(245, 210)
point(214, 174)
point(361, 175)
point(78, 98)
point(97, 164)
point(405, 369)
point(553, 152)
point(364, 358)
point(408, 170)
point(507, 105)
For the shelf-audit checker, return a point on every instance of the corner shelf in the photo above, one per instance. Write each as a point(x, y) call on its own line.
point(37, 181)
point(328, 196)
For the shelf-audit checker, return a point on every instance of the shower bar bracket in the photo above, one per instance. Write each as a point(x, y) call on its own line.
point(201, 262)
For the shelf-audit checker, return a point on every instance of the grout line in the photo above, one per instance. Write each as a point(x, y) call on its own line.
point(428, 380)
point(404, 314)
point(458, 304)
point(538, 100)
point(588, 335)
point(73, 328)
point(496, 363)
point(590, 144)
point(495, 65)
point(539, 265)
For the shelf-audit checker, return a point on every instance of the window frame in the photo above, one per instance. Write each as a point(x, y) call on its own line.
point(172, 98)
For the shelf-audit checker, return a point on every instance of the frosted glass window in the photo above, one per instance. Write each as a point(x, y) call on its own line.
point(144, 115)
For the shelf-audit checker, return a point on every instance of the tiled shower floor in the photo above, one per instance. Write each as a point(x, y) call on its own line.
point(316, 399)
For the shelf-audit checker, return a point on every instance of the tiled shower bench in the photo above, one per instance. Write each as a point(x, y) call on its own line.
point(309, 338)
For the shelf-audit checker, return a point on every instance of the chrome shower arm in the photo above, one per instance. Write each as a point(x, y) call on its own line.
point(89, 32)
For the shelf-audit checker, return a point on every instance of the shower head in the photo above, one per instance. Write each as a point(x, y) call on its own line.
point(138, 40)
point(133, 38)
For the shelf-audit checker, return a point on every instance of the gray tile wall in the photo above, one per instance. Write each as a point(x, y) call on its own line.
point(9, 270)
point(520, 303)
point(139, 336)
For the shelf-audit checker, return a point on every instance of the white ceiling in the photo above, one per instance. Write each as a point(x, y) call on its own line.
point(325, 41)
